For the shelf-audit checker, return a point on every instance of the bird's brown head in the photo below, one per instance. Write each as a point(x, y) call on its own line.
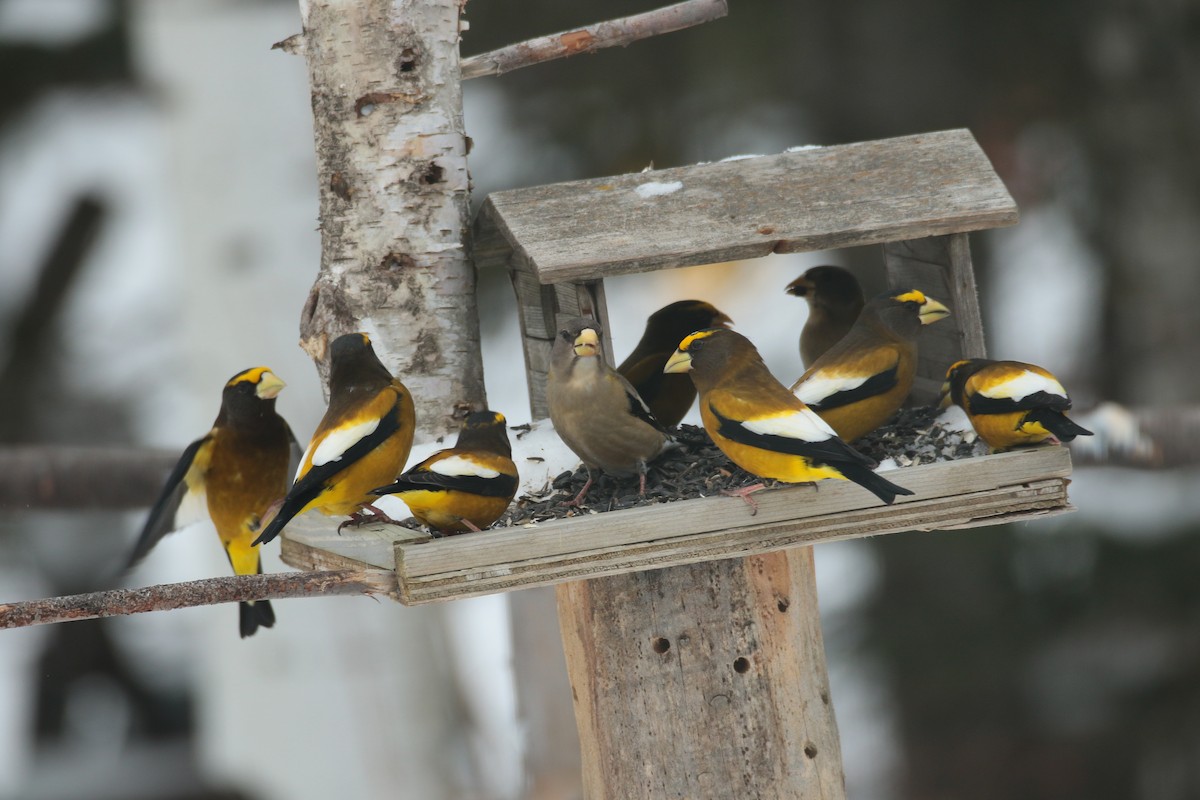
point(956, 379)
point(353, 363)
point(903, 312)
point(485, 430)
point(827, 285)
point(582, 337)
point(673, 322)
point(250, 393)
point(710, 353)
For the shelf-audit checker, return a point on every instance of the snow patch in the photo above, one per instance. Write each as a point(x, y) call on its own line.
point(801, 148)
point(954, 419)
point(540, 456)
point(656, 188)
point(741, 158)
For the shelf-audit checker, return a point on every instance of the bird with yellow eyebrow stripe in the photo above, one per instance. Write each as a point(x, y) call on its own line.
point(361, 443)
point(834, 302)
point(669, 397)
point(760, 425)
point(466, 487)
point(235, 473)
point(860, 382)
point(1011, 403)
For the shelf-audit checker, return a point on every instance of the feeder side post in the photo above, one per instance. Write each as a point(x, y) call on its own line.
point(941, 267)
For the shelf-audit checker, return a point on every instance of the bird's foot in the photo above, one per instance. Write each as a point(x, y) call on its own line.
point(471, 526)
point(578, 501)
point(360, 517)
point(745, 493)
point(354, 520)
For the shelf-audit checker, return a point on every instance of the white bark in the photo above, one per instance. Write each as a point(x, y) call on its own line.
point(392, 173)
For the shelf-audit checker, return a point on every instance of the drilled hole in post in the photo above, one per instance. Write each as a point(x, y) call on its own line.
point(661, 645)
point(810, 750)
point(783, 605)
point(433, 174)
point(741, 664)
point(407, 61)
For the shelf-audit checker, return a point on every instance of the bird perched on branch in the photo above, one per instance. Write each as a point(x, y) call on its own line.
point(467, 487)
point(596, 411)
point(760, 425)
point(862, 380)
point(834, 301)
point(668, 396)
point(362, 441)
point(234, 474)
point(1010, 403)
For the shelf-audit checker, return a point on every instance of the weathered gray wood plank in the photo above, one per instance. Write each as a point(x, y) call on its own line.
point(718, 513)
point(864, 193)
point(953, 494)
point(735, 645)
point(1041, 498)
point(543, 311)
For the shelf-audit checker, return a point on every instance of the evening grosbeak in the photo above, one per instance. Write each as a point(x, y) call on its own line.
point(863, 379)
point(233, 474)
point(596, 412)
point(362, 441)
point(465, 488)
point(667, 396)
point(1010, 403)
point(834, 301)
point(759, 424)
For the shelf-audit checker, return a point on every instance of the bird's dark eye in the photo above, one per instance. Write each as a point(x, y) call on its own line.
point(566, 336)
point(696, 346)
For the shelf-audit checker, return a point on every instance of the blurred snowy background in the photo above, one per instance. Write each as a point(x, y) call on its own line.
point(1051, 660)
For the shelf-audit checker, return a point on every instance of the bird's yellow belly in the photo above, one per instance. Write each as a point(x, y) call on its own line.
point(858, 419)
point(237, 500)
point(446, 510)
point(349, 490)
point(1002, 431)
point(777, 466)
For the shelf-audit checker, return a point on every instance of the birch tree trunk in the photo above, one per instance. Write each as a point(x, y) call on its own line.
point(392, 172)
point(394, 192)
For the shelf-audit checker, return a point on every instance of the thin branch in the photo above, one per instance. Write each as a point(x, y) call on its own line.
point(617, 32)
point(69, 477)
point(1154, 438)
point(167, 596)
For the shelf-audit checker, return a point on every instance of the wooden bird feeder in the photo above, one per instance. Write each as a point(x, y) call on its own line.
point(691, 630)
point(918, 196)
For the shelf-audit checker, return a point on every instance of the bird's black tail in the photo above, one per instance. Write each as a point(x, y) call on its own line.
point(1063, 427)
point(873, 482)
point(255, 615)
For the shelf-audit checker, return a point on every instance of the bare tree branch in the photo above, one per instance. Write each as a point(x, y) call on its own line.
point(1154, 438)
point(64, 477)
point(617, 32)
point(196, 593)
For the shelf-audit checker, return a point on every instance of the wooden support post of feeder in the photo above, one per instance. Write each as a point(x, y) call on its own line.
point(691, 628)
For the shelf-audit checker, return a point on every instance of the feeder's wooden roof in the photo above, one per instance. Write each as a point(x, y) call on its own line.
point(814, 199)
